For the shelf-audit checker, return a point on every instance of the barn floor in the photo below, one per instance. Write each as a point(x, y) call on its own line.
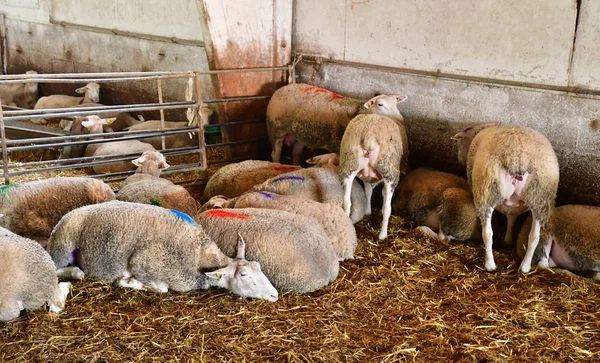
point(406, 298)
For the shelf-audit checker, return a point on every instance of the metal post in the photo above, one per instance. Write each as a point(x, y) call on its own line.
point(162, 113)
point(4, 148)
point(201, 140)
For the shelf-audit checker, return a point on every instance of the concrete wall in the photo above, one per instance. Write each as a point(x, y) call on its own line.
point(36, 43)
point(468, 62)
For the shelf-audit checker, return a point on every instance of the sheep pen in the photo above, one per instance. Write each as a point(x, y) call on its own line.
point(404, 298)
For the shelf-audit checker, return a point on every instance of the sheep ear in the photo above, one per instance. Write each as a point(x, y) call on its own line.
point(80, 90)
point(311, 161)
point(370, 102)
point(459, 135)
point(108, 121)
point(400, 98)
point(218, 274)
point(87, 124)
point(139, 161)
point(163, 165)
point(241, 247)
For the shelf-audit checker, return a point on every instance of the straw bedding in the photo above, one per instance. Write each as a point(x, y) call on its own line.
point(408, 298)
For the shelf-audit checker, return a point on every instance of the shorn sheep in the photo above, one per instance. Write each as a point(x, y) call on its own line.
point(511, 169)
point(23, 95)
point(337, 225)
point(374, 149)
point(147, 187)
point(303, 115)
point(293, 250)
point(33, 208)
point(27, 277)
point(148, 247)
point(114, 148)
point(323, 185)
point(440, 203)
point(235, 179)
point(570, 240)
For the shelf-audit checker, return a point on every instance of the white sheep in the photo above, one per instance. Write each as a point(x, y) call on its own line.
point(440, 203)
point(91, 124)
point(91, 91)
point(113, 148)
point(23, 95)
point(323, 185)
point(511, 169)
point(146, 186)
point(148, 247)
point(305, 115)
point(293, 250)
point(32, 209)
point(235, 179)
point(122, 120)
point(27, 277)
point(374, 148)
point(336, 224)
point(570, 240)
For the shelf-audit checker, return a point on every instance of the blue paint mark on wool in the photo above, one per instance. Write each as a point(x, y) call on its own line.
point(289, 177)
point(267, 194)
point(183, 216)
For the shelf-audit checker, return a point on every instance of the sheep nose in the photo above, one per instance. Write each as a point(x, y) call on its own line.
point(274, 297)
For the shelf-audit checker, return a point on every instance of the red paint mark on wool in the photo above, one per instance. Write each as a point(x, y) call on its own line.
point(285, 168)
point(219, 213)
point(307, 89)
point(335, 95)
point(321, 90)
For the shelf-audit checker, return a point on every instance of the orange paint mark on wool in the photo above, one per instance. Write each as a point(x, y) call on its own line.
point(219, 213)
point(285, 168)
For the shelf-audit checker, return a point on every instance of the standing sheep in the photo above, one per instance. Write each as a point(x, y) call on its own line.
point(235, 179)
point(27, 277)
point(374, 148)
point(293, 250)
point(440, 203)
point(337, 225)
point(319, 184)
point(147, 247)
point(33, 208)
point(511, 169)
point(570, 240)
point(306, 115)
point(147, 187)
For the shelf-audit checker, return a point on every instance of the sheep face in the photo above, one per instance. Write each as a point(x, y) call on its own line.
point(94, 123)
point(386, 106)
point(91, 91)
point(244, 278)
point(31, 86)
point(465, 137)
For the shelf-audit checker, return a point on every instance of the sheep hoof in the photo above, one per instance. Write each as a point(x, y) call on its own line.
point(525, 268)
point(490, 265)
point(543, 263)
point(382, 235)
point(596, 276)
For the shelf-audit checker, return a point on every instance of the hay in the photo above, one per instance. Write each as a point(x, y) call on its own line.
point(406, 298)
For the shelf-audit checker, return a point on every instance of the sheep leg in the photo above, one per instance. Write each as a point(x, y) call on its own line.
point(368, 193)
point(596, 276)
point(388, 191)
point(297, 153)
point(60, 298)
point(426, 231)
point(488, 235)
point(131, 282)
point(277, 147)
point(10, 309)
point(510, 223)
point(534, 237)
point(348, 191)
point(70, 273)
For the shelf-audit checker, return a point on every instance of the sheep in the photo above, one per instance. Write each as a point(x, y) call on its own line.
point(33, 208)
point(511, 169)
point(91, 91)
point(234, 179)
point(122, 121)
point(113, 148)
point(306, 115)
point(145, 247)
point(374, 148)
point(331, 160)
point(91, 124)
point(319, 184)
point(23, 95)
point(336, 224)
point(293, 250)
point(570, 240)
point(172, 141)
point(440, 203)
point(146, 186)
point(27, 277)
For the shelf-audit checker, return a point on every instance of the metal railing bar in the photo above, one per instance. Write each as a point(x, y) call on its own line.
point(88, 80)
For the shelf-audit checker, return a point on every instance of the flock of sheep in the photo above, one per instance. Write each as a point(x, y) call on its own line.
point(266, 226)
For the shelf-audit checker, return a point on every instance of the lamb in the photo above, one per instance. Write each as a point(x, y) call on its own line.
point(172, 141)
point(305, 115)
point(91, 124)
point(511, 169)
point(570, 240)
point(234, 179)
point(148, 247)
point(319, 184)
point(336, 224)
point(19, 94)
point(440, 203)
point(146, 186)
point(28, 277)
point(374, 148)
point(293, 250)
point(116, 147)
point(33, 208)
point(91, 91)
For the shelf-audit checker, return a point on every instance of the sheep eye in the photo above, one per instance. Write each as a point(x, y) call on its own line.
point(380, 104)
